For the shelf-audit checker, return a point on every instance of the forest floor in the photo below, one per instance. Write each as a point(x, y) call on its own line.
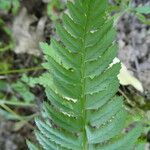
point(31, 25)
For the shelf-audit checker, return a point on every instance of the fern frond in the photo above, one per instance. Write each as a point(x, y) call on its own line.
point(83, 111)
point(31, 146)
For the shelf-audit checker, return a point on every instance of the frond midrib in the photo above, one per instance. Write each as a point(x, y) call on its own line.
point(83, 80)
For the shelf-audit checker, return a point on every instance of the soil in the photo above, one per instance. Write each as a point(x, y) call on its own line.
point(134, 42)
point(13, 140)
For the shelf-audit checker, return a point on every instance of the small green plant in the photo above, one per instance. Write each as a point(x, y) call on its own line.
point(53, 7)
point(121, 7)
point(13, 96)
point(6, 5)
point(8, 43)
point(83, 111)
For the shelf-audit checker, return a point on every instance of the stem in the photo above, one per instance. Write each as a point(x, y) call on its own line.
point(11, 111)
point(21, 70)
point(16, 103)
point(21, 118)
point(10, 46)
point(25, 119)
point(83, 96)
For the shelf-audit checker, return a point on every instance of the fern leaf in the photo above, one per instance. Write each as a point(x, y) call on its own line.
point(83, 111)
point(31, 146)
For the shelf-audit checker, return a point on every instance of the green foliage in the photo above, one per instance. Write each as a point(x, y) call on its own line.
point(125, 6)
point(140, 12)
point(23, 91)
point(83, 111)
point(21, 97)
point(31, 146)
point(6, 5)
point(7, 33)
point(143, 19)
point(143, 9)
point(53, 7)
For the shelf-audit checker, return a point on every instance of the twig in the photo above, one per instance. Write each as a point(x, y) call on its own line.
point(21, 70)
point(13, 103)
point(26, 119)
point(126, 97)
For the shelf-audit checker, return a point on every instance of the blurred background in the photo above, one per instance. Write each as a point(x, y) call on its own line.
point(25, 23)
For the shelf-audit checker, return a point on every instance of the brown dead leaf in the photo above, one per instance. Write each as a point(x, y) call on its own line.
point(27, 37)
